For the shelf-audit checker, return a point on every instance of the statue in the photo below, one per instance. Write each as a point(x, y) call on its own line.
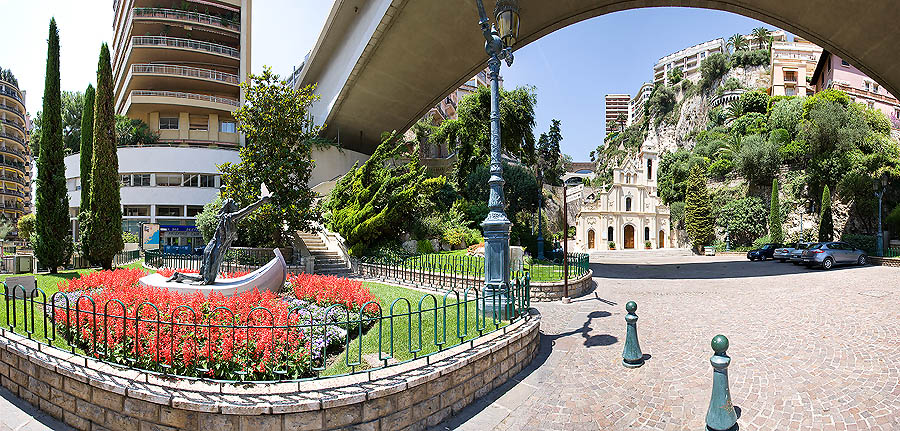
point(226, 231)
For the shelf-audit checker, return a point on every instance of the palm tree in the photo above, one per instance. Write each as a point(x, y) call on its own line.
point(737, 42)
point(731, 149)
point(734, 111)
point(763, 37)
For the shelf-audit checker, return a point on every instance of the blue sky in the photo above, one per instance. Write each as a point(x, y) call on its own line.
point(572, 68)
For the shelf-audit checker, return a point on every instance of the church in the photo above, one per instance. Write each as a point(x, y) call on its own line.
point(628, 214)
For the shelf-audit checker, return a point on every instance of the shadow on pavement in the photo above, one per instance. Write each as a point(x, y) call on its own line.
point(702, 270)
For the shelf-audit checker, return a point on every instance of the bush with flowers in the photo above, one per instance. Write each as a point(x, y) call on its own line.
point(251, 336)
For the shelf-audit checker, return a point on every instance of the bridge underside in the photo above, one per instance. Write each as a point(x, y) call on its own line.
point(381, 64)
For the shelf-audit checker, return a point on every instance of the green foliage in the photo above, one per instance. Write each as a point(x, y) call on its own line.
point(754, 101)
point(793, 151)
point(129, 237)
point(787, 114)
point(750, 124)
point(743, 219)
point(675, 75)
point(892, 222)
point(470, 132)
point(868, 243)
point(736, 42)
point(26, 226)
point(744, 58)
point(721, 167)
point(776, 233)
point(52, 239)
point(826, 223)
point(698, 217)
point(712, 68)
point(102, 234)
point(207, 219)
point(662, 101)
point(672, 177)
point(132, 132)
point(550, 165)
point(8, 76)
point(521, 193)
point(877, 121)
point(280, 139)
point(761, 241)
point(758, 159)
point(424, 246)
point(372, 201)
point(676, 213)
point(86, 150)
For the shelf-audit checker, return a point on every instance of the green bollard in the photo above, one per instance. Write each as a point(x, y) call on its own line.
point(721, 415)
point(632, 356)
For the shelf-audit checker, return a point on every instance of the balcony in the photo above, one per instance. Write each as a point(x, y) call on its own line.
point(162, 100)
point(9, 150)
point(12, 192)
point(175, 42)
point(13, 138)
point(12, 94)
point(180, 15)
point(14, 110)
point(184, 71)
point(13, 124)
point(13, 165)
point(13, 178)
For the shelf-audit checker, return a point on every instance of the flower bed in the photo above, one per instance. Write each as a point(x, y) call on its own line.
point(251, 336)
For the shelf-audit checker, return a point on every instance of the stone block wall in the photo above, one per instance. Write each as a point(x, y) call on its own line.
point(545, 292)
point(90, 395)
point(885, 261)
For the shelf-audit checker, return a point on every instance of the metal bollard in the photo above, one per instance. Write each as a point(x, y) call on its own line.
point(631, 356)
point(721, 415)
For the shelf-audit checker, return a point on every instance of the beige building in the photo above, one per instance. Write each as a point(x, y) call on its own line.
point(636, 111)
point(688, 60)
point(15, 155)
point(793, 64)
point(617, 105)
point(628, 213)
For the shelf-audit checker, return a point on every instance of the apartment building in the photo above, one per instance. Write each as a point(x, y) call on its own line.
point(617, 108)
point(636, 111)
point(15, 155)
point(834, 72)
point(754, 43)
point(177, 66)
point(792, 67)
point(688, 60)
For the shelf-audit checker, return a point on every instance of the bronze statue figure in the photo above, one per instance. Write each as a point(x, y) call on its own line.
point(214, 253)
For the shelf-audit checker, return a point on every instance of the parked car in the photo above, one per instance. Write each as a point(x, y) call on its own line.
point(784, 253)
point(829, 254)
point(764, 252)
point(796, 256)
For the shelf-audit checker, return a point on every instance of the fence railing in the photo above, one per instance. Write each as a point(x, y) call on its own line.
point(236, 259)
point(177, 42)
point(191, 96)
point(892, 252)
point(185, 16)
point(80, 262)
point(192, 72)
point(259, 343)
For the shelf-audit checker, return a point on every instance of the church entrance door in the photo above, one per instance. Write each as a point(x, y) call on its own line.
point(661, 240)
point(591, 239)
point(629, 236)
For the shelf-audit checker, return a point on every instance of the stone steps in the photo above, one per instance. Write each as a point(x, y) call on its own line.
point(327, 262)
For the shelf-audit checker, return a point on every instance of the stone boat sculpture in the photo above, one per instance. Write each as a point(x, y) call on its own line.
point(269, 277)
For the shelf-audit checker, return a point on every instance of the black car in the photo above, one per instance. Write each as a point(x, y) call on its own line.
point(764, 252)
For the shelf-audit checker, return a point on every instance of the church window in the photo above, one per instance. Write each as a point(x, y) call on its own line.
point(609, 234)
point(646, 234)
point(649, 169)
point(627, 204)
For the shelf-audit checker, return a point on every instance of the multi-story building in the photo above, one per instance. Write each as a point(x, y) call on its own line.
point(834, 72)
point(753, 42)
point(15, 155)
point(688, 60)
point(617, 111)
point(636, 111)
point(792, 67)
point(178, 70)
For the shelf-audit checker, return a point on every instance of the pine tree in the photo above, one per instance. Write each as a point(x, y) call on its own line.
point(826, 223)
point(85, 154)
point(104, 229)
point(776, 234)
point(698, 210)
point(53, 237)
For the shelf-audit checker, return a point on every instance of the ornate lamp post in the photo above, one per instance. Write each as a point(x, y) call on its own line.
point(498, 45)
point(879, 186)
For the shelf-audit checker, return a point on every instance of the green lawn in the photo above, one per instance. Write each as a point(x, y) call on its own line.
point(457, 262)
point(407, 331)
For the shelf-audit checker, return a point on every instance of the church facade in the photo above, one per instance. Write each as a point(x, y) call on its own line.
point(628, 214)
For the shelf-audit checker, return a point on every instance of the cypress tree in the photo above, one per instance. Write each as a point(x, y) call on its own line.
point(53, 237)
point(698, 210)
point(776, 234)
point(826, 223)
point(85, 153)
point(104, 230)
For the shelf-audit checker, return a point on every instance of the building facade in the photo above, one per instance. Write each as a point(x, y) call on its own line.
point(792, 66)
point(15, 154)
point(618, 110)
point(178, 69)
point(833, 72)
point(688, 60)
point(636, 110)
point(628, 214)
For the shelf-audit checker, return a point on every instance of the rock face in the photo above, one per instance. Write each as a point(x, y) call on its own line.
point(410, 246)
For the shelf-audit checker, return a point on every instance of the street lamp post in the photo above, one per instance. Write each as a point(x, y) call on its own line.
point(498, 45)
point(879, 186)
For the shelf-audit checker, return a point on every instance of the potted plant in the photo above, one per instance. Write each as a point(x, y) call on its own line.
point(648, 245)
point(612, 245)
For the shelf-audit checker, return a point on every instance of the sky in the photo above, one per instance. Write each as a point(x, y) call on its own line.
point(572, 69)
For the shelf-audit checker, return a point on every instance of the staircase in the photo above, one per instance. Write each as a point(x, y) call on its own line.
point(328, 262)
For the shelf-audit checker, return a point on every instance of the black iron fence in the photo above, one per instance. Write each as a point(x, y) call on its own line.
point(236, 259)
point(78, 261)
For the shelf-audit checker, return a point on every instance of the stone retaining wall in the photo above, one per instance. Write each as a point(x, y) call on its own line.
point(544, 292)
point(885, 261)
point(90, 395)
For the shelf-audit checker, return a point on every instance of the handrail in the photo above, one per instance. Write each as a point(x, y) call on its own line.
point(148, 12)
point(177, 42)
point(193, 72)
point(192, 96)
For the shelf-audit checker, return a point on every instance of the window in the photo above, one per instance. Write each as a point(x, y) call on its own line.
point(193, 210)
point(136, 180)
point(136, 211)
point(190, 180)
point(646, 234)
point(844, 63)
point(228, 127)
point(169, 211)
point(126, 181)
point(649, 169)
point(167, 180)
point(198, 122)
point(627, 204)
point(168, 123)
point(867, 85)
point(871, 105)
point(207, 180)
point(609, 234)
point(875, 87)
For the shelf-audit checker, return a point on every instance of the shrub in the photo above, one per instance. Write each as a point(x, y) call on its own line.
point(892, 221)
point(712, 68)
point(775, 223)
point(793, 151)
point(754, 101)
point(826, 223)
point(130, 237)
point(761, 241)
point(698, 213)
point(423, 246)
point(867, 243)
point(786, 114)
point(744, 58)
point(757, 159)
point(750, 123)
point(743, 219)
point(662, 101)
point(455, 236)
point(721, 167)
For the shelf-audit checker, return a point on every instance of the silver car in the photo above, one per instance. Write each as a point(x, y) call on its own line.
point(829, 254)
point(796, 255)
point(784, 253)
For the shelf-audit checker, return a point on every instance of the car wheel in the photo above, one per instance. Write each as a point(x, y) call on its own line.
point(862, 260)
point(828, 263)
point(762, 258)
point(796, 263)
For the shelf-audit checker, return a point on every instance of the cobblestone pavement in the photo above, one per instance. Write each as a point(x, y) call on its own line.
point(810, 349)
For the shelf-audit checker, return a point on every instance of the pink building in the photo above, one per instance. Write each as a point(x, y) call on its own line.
point(833, 72)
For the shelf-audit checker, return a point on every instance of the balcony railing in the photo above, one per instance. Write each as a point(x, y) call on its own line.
point(13, 109)
point(13, 124)
point(191, 96)
point(185, 16)
point(12, 192)
point(191, 72)
point(11, 178)
point(12, 138)
point(12, 94)
point(8, 164)
point(176, 42)
point(9, 150)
